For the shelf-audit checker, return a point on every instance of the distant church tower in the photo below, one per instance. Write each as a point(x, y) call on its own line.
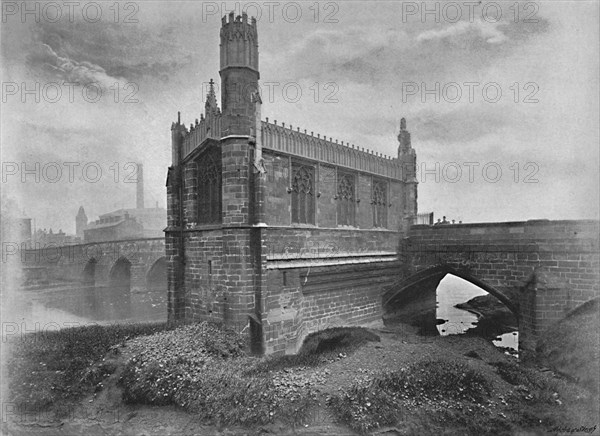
point(81, 222)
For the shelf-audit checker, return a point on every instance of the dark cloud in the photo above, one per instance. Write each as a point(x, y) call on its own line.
point(89, 52)
point(384, 52)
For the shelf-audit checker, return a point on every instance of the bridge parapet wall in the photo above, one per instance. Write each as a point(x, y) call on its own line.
point(546, 268)
point(67, 263)
point(506, 254)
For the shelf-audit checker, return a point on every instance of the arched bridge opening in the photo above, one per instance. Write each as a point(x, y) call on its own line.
point(156, 278)
point(89, 274)
point(153, 302)
point(119, 289)
point(414, 300)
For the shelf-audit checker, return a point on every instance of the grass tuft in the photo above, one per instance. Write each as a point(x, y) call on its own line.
point(202, 368)
point(52, 369)
point(389, 397)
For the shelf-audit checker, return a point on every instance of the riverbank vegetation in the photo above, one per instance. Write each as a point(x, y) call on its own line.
point(353, 379)
point(53, 369)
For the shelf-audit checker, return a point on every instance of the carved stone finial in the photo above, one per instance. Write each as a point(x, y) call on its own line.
point(211, 99)
point(404, 146)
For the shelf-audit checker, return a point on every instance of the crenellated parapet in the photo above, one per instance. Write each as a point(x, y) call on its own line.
point(239, 42)
point(239, 74)
point(290, 141)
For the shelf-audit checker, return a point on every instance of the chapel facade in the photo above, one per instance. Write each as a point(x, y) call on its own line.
point(275, 231)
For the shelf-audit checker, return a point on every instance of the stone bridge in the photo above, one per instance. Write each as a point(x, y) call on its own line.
point(139, 264)
point(539, 269)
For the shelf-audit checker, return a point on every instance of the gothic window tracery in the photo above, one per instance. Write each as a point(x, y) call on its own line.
point(346, 199)
point(209, 190)
point(379, 202)
point(303, 194)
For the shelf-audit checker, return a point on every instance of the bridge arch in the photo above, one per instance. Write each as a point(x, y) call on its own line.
point(120, 274)
point(435, 275)
point(156, 277)
point(119, 293)
point(89, 273)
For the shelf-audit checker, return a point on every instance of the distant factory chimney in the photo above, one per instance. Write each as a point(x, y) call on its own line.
point(140, 187)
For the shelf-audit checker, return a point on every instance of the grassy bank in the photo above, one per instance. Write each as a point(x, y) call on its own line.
point(360, 381)
point(396, 396)
point(204, 370)
point(53, 369)
point(572, 346)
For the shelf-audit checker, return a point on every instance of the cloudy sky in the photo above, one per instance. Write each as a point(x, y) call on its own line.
point(506, 130)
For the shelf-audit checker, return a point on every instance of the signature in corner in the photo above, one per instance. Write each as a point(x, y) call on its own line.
point(580, 429)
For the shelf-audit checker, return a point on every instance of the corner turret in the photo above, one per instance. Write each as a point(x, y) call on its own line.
point(239, 74)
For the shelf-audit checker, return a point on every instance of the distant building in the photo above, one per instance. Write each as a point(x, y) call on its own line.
point(139, 222)
point(152, 220)
point(45, 238)
point(81, 222)
point(113, 228)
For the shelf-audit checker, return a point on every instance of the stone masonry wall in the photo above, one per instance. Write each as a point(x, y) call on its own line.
point(506, 254)
point(320, 278)
point(301, 301)
point(547, 268)
point(278, 199)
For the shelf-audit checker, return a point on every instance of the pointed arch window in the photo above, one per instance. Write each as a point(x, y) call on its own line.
point(303, 194)
point(209, 190)
point(346, 199)
point(379, 203)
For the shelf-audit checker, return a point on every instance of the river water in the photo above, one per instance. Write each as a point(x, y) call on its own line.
point(51, 309)
point(453, 290)
point(35, 310)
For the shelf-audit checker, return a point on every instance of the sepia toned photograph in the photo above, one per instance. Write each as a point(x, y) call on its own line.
point(300, 218)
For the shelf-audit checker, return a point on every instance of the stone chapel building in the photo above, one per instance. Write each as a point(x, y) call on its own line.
point(273, 231)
